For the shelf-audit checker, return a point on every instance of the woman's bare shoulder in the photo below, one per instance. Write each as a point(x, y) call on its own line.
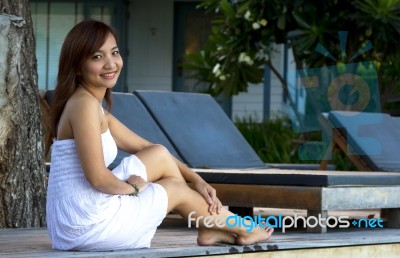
point(80, 103)
point(81, 109)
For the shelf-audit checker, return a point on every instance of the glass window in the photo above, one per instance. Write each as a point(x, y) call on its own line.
point(101, 13)
point(51, 23)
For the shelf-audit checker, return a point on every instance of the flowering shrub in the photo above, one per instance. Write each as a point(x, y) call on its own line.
point(245, 30)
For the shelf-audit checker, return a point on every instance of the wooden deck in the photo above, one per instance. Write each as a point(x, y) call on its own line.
point(176, 240)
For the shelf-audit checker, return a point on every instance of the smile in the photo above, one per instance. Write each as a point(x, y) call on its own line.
point(109, 75)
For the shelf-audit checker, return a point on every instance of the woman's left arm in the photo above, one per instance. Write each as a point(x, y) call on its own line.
point(125, 139)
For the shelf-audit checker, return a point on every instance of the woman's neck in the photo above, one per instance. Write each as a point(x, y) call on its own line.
point(98, 95)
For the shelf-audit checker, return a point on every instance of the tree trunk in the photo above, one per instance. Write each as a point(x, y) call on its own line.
point(23, 177)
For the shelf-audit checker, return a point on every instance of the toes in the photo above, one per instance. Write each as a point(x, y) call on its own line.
point(269, 230)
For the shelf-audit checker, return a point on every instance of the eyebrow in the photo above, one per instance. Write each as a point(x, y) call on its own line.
point(116, 47)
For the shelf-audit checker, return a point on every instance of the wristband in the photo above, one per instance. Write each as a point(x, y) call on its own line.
point(136, 192)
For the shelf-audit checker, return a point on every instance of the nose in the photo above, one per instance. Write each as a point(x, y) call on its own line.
point(109, 62)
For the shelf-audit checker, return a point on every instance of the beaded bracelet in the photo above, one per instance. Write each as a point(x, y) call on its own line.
point(136, 193)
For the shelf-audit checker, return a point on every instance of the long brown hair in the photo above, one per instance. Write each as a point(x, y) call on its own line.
point(84, 39)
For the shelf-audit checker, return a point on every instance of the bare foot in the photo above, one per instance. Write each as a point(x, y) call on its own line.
point(208, 236)
point(258, 234)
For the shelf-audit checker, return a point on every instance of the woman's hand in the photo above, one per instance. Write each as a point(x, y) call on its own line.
point(210, 195)
point(138, 181)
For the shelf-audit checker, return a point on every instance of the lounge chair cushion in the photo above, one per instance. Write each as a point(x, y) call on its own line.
point(375, 137)
point(298, 177)
point(130, 111)
point(199, 129)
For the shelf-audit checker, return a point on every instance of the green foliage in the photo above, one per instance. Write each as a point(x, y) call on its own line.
point(275, 142)
point(245, 30)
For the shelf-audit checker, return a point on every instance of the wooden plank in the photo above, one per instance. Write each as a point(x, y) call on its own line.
point(375, 251)
point(295, 197)
point(181, 242)
point(309, 198)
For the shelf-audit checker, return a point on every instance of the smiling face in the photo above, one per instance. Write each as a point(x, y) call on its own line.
point(103, 67)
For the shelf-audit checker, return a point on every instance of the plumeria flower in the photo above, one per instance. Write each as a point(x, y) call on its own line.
point(263, 22)
point(217, 70)
point(248, 60)
point(241, 57)
point(244, 58)
point(247, 15)
point(256, 26)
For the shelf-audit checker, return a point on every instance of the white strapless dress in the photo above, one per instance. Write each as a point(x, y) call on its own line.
point(79, 217)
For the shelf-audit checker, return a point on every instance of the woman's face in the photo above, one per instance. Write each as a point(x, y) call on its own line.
point(103, 68)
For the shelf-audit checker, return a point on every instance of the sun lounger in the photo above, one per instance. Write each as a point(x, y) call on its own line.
point(370, 140)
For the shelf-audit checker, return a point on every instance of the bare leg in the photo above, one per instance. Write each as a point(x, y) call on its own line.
point(159, 163)
point(162, 169)
point(188, 202)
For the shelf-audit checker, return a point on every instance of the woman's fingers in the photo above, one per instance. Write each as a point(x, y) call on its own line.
point(138, 181)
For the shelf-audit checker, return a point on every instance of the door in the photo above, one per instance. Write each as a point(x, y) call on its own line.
point(192, 27)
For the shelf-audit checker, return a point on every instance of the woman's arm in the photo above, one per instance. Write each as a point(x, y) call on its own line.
point(201, 186)
point(85, 119)
point(125, 139)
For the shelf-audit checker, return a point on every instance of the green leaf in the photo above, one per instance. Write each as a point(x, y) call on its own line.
point(301, 21)
point(244, 7)
point(227, 9)
point(281, 23)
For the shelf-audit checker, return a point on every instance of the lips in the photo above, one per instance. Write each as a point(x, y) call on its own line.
point(109, 75)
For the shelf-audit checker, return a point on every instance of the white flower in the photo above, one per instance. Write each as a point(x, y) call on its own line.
point(256, 26)
point(241, 57)
point(222, 77)
point(248, 60)
point(216, 70)
point(263, 22)
point(244, 58)
point(247, 15)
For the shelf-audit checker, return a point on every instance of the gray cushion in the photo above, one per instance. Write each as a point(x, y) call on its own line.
point(300, 178)
point(130, 111)
point(199, 129)
point(375, 137)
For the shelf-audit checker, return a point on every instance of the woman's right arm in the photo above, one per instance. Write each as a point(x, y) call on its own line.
point(85, 121)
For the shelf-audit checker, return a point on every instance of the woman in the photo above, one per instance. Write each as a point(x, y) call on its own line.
point(92, 208)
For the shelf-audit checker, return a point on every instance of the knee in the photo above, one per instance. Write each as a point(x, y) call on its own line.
point(161, 151)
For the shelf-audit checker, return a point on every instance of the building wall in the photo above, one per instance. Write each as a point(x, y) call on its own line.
point(276, 98)
point(150, 44)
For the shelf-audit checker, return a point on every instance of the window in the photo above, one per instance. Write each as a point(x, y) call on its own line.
point(51, 23)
